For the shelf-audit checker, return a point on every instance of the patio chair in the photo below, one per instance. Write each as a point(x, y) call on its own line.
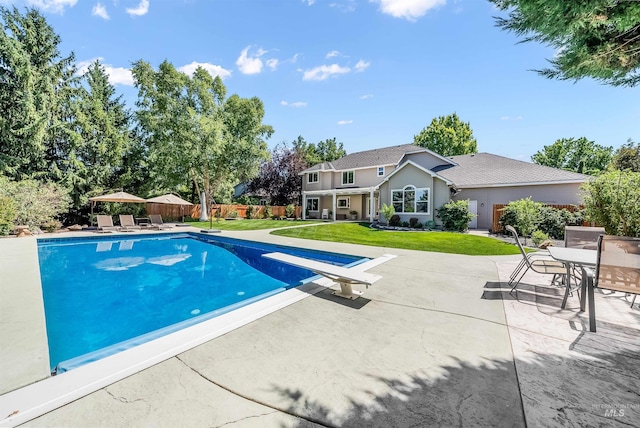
point(105, 224)
point(157, 223)
point(127, 223)
point(325, 214)
point(617, 269)
point(540, 263)
point(582, 237)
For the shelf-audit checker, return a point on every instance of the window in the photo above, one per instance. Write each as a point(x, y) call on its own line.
point(410, 200)
point(348, 177)
point(312, 177)
point(263, 202)
point(343, 202)
point(312, 204)
point(380, 171)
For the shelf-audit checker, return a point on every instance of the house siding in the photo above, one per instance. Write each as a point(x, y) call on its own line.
point(425, 160)
point(439, 191)
point(547, 193)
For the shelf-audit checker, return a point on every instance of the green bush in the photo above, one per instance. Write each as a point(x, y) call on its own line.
point(35, 202)
point(51, 226)
point(7, 215)
point(455, 215)
point(538, 237)
point(290, 210)
point(612, 200)
point(268, 213)
point(251, 212)
point(419, 226)
point(413, 221)
point(388, 211)
point(405, 224)
point(554, 220)
point(524, 215)
point(394, 220)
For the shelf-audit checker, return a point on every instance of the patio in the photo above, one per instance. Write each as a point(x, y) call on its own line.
point(438, 341)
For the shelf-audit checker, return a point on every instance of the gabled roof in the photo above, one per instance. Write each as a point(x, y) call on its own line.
point(421, 168)
point(488, 170)
point(369, 158)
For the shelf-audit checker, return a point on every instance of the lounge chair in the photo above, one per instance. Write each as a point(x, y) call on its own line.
point(617, 269)
point(345, 277)
point(105, 224)
point(127, 222)
point(157, 223)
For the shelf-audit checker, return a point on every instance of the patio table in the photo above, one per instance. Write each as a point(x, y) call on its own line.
point(577, 257)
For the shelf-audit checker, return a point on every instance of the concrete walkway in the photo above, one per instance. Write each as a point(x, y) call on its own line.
point(437, 342)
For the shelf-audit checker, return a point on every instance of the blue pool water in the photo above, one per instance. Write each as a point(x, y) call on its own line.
point(105, 294)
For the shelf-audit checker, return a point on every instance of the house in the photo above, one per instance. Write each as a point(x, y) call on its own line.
point(417, 181)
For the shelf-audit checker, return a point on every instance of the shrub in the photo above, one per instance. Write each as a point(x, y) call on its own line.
point(455, 215)
point(419, 226)
point(290, 210)
point(524, 215)
point(394, 220)
point(251, 212)
point(538, 237)
point(267, 211)
point(35, 202)
point(388, 211)
point(405, 224)
point(232, 214)
point(7, 215)
point(612, 200)
point(413, 221)
point(554, 220)
point(52, 225)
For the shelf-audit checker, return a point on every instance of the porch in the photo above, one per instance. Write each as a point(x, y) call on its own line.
point(342, 204)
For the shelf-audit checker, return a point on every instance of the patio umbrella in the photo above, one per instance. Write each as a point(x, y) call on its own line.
point(170, 199)
point(115, 197)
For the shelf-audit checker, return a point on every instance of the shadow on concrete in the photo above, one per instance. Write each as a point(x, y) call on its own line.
point(459, 395)
point(327, 294)
point(488, 395)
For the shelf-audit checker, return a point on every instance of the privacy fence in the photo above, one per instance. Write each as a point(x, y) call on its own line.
point(226, 211)
point(497, 213)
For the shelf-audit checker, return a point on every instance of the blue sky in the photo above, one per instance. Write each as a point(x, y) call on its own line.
point(371, 73)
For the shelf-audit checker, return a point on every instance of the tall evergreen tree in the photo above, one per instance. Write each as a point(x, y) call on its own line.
point(36, 85)
point(594, 38)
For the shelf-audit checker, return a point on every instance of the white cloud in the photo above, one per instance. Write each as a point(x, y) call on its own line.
point(100, 10)
point(250, 64)
point(324, 71)
point(272, 63)
point(117, 75)
point(510, 117)
point(345, 122)
point(366, 96)
point(53, 6)
point(142, 8)
point(362, 65)
point(214, 70)
point(408, 9)
point(296, 104)
point(309, 2)
point(344, 6)
point(332, 54)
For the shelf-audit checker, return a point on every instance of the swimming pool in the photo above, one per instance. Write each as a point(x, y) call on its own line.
point(106, 294)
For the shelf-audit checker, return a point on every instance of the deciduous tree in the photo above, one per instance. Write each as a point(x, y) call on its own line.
point(447, 136)
point(194, 132)
point(575, 154)
point(595, 38)
point(627, 157)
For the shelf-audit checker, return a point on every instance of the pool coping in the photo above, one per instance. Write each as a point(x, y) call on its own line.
point(30, 401)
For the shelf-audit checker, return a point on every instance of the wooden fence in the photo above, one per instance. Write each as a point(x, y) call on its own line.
point(497, 213)
point(175, 211)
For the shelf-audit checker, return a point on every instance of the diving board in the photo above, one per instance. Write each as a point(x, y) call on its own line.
point(345, 277)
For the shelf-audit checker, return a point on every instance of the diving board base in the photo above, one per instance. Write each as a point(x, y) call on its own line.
point(347, 292)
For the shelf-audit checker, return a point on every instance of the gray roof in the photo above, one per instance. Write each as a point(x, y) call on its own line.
point(368, 158)
point(486, 169)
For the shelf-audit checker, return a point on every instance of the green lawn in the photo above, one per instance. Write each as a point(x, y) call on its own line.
point(442, 242)
point(243, 224)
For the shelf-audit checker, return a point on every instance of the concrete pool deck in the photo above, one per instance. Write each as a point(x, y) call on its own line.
point(437, 342)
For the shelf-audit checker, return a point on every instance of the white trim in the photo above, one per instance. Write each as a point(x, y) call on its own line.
point(541, 183)
point(347, 169)
point(348, 191)
point(415, 200)
point(343, 198)
point(428, 171)
point(384, 170)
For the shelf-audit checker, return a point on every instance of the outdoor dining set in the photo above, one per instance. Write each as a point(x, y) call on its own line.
point(589, 260)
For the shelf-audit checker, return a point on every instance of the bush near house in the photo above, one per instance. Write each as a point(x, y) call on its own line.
point(7, 215)
point(455, 215)
point(527, 216)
